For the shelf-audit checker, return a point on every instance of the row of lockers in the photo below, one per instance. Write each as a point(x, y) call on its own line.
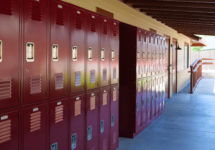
point(142, 78)
point(49, 49)
point(88, 121)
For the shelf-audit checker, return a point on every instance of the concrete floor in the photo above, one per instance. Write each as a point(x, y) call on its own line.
point(188, 123)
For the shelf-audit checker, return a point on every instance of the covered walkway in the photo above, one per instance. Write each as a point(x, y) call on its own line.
point(186, 124)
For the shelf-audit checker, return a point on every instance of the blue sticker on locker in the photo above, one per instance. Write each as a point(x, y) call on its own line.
point(92, 76)
point(77, 78)
point(102, 126)
point(89, 133)
point(74, 141)
point(104, 75)
point(112, 121)
point(54, 146)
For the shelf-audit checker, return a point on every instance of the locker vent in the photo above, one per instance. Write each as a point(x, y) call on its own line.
point(77, 78)
point(5, 89)
point(105, 28)
point(115, 29)
point(93, 24)
point(35, 121)
point(6, 7)
point(59, 81)
point(60, 16)
point(35, 85)
point(78, 22)
point(104, 75)
point(36, 10)
point(5, 131)
point(92, 76)
point(59, 113)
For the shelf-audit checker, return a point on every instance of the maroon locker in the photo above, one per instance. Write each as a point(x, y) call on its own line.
point(35, 127)
point(58, 125)
point(104, 119)
point(114, 43)
point(77, 122)
point(162, 93)
point(92, 51)
point(105, 53)
point(59, 48)
point(149, 54)
point(77, 54)
point(114, 133)
point(144, 103)
point(157, 96)
point(138, 105)
point(35, 50)
point(92, 120)
point(9, 53)
point(153, 101)
point(139, 52)
point(9, 130)
point(149, 98)
point(144, 53)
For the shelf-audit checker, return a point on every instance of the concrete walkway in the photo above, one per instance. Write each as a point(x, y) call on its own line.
point(188, 123)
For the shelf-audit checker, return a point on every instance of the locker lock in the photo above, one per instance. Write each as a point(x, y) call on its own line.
point(59, 103)
point(4, 117)
point(93, 17)
point(92, 94)
point(35, 109)
point(37, 0)
point(60, 6)
point(77, 98)
point(78, 12)
point(105, 20)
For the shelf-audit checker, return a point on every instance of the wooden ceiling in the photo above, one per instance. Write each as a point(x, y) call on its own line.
point(186, 16)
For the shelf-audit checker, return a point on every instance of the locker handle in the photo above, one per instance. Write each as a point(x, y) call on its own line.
point(74, 53)
point(1, 45)
point(30, 52)
point(77, 98)
point(102, 54)
point(55, 52)
point(90, 54)
point(4, 117)
point(113, 54)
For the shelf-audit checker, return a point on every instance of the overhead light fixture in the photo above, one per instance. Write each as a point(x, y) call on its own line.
point(178, 47)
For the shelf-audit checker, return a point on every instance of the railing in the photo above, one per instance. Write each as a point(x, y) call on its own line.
point(196, 71)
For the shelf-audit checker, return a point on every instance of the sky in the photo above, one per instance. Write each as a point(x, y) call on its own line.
point(209, 41)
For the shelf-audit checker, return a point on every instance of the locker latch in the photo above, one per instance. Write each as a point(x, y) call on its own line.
point(30, 52)
point(102, 54)
point(89, 133)
point(0, 51)
point(74, 141)
point(54, 146)
point(74, 53)
point(113, 54)
point(112, 121)
point(138, 55)
point(55, 52)
point(90, 54)
point(102, 126)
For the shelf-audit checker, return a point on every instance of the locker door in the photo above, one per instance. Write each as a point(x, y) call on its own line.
point(35, 128)
point(9, 128)
point(144, 53)
point(114, 52)
point(104, 119)
point(105, 53)
point(77, 123)
point(59, 48)
point(138, 105)
point(92, 124)
point(149, 54)
point(139, 52)
point(35, 50)
point(153, 97)
point(157, 97)
point(58, 126)
point(149, 99)
point(114, 133)
point(9, 53)
point(92, 51)
point(144, 103)
point(77, 50)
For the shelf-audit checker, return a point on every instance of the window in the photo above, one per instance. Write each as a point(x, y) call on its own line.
point(30, 52)
point(186, 49)
point(102, 54)
point(0, 51)
point(74, 53)
point(90, 54)
point(55, 52)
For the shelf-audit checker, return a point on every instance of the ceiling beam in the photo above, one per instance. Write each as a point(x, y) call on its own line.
point(183, 17)
point(194, 1)
point(178, 13)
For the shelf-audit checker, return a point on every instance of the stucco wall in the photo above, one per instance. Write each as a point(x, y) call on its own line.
point(127, 14)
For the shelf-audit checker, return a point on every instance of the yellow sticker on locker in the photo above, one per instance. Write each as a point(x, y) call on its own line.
point(77, 108)
point(92, 102)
